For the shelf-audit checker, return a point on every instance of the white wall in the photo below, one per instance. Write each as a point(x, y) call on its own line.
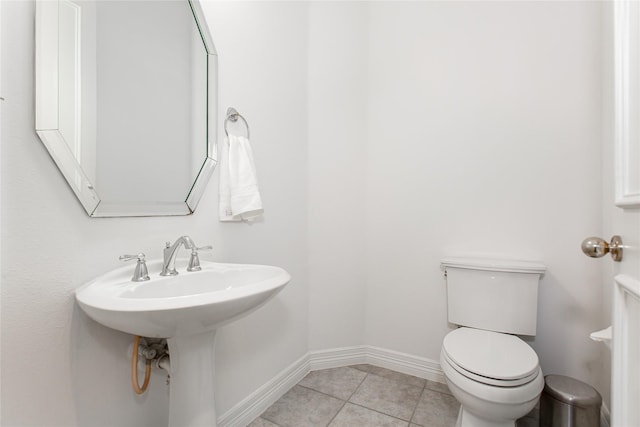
point(481, 120)
point(386, 135)
point(484, 137)
point(59, 368)
point(337, 176)
point(262, 73)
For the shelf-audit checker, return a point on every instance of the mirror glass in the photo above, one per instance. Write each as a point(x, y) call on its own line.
point(125, 94)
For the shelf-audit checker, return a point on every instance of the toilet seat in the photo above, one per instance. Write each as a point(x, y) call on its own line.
point(491, 358)
point(489, 381)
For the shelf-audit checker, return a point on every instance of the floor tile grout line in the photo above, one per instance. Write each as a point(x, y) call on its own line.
point(330, 395)
point(347, 401)
point(272, 422)
point(437, 391)
point(321, 392)
point(344, 403)
point(397, 381)
point(377, 410)
point(413, 413)
point(366, 374)
point(382, 413)
point(315, 391)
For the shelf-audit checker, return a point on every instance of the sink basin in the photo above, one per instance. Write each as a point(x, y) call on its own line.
point(186, 309)
point(186, 304)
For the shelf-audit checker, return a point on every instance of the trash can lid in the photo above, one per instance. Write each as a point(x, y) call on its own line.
point(571, 391)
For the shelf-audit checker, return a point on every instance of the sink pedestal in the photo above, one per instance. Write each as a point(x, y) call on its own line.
point(191, 400)
point(184, 307)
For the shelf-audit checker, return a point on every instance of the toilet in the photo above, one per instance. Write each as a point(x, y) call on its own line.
point(492, 372)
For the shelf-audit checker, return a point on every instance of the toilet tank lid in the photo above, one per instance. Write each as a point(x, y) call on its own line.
point(493, 264)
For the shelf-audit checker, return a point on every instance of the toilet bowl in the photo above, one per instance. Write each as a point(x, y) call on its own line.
point(493, 373)
point(496, 383)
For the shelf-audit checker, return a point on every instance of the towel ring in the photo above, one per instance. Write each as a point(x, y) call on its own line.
point(232, 116)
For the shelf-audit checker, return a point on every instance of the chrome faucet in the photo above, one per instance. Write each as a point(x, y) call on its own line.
point(140, 274)
point(194, 260)
point(170, 252)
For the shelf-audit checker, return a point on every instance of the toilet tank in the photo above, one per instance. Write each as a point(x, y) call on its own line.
point(492, 294)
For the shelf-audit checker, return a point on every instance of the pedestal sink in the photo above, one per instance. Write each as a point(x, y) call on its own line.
point(186, 309)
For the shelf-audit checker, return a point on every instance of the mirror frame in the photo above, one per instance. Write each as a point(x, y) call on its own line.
point(48, 128)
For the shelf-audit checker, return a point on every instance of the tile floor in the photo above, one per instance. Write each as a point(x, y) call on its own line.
point(365, 395)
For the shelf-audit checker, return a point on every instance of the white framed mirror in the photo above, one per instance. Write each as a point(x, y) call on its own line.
point(126, 102)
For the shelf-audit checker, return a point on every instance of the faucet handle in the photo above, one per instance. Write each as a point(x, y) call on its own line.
point(194, 260)
point(140, 274)
point(125, 258)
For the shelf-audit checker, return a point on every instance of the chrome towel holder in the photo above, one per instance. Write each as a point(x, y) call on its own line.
point(233, 116)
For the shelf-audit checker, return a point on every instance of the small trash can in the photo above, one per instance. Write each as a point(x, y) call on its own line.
point(567, 402)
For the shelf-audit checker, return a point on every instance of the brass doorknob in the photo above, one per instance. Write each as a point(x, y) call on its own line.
point(596, 247)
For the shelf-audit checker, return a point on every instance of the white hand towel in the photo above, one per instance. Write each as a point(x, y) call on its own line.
point(239, 195)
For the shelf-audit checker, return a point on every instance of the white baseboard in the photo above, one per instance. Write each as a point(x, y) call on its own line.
point(407, 364)
point(257, 402)
point(337, 357)
point(400, 362)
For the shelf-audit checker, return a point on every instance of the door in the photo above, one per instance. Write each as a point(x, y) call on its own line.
point(625, 217)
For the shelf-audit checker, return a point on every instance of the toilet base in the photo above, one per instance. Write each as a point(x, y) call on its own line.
point(467, 419)
point(483, 405)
